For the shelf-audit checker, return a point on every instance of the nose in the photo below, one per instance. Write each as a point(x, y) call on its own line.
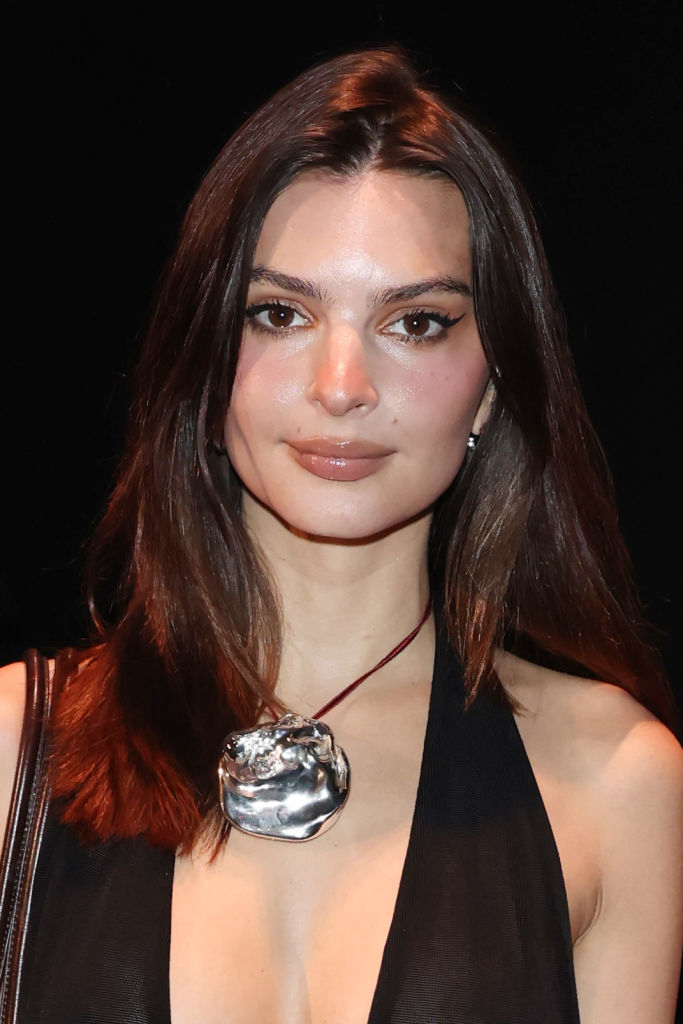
point(341, 380)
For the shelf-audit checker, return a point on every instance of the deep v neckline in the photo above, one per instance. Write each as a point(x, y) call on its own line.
point(416, 820)
point(480, 927)
point(437, 670)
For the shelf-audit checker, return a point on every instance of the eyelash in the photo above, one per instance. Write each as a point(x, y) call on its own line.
point(445, 322)
point(253, 311)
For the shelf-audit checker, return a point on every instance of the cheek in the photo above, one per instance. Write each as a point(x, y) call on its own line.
point(264, 377)
point(441, 401)
point(260, 392)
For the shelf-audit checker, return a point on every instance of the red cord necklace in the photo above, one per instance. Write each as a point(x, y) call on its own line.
point(289, 779)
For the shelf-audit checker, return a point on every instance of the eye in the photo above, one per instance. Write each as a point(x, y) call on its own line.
point(422, 325)
point(274, 317)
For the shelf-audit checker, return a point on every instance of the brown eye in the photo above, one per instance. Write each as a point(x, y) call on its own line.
point(417, 324)
point(421, 325)
point(280, 316)
point(275, 317)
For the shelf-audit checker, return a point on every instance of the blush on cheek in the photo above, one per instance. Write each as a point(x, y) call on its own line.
point(261, 371)
point(456, 389)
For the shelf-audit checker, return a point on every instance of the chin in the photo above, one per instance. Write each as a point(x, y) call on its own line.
point(342, 522)
point(343, 534)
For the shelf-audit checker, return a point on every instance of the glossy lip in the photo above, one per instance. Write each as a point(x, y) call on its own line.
point(332, 459)
point(333, 448)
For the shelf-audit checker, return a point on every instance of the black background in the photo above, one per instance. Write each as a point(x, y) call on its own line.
point(115, 113)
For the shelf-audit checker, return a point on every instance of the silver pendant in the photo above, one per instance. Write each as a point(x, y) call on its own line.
point(283, 780)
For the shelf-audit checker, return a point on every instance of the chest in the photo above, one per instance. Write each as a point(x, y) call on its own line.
point(302, 942)
point(423, 903)
point(281, 932)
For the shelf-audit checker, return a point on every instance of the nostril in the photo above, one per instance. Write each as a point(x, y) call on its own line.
point(343, 383)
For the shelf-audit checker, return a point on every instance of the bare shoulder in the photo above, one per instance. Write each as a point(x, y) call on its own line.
point(598, 727)
point(12, 701)
point(624, 771)
point(626, 766)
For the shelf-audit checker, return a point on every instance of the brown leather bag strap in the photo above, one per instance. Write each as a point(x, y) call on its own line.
point(25, 826)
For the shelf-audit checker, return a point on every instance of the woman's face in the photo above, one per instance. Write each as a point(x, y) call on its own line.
point(361, 372)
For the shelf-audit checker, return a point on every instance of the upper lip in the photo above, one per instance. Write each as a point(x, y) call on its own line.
point(330, 447)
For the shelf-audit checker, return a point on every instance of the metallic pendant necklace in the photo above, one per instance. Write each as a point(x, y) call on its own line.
point(289, 779)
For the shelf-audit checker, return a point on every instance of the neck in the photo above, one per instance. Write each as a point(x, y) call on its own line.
point(345, 604)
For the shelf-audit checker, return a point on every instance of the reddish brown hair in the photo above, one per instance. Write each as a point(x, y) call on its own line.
point(524, 545)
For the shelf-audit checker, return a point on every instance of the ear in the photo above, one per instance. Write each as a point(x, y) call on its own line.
point(484, 409)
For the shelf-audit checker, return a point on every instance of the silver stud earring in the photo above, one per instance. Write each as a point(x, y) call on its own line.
point(472, 441)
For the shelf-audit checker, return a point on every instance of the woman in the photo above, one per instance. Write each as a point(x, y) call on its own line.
point(359, 473)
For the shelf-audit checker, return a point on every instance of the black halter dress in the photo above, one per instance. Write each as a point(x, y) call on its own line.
point(480, 932)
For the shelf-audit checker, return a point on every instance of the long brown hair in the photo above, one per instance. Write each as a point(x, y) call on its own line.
point(524, 546)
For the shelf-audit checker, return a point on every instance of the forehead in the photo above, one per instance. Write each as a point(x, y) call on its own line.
point(379, 226)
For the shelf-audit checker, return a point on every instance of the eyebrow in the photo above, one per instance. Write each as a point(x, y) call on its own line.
point(292, 284)
point(377, 298)
point(411, 291)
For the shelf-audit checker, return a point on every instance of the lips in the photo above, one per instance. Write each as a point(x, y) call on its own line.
point(341, 449)
point(339, 459)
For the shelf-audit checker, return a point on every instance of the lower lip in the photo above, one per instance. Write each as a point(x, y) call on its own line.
point(334, 467)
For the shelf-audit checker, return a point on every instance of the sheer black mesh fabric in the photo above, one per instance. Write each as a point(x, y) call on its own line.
point(481, 930)
point(480, 933)
point(99, 936)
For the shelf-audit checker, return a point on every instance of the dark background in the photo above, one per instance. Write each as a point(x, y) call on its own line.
point(115, 113)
